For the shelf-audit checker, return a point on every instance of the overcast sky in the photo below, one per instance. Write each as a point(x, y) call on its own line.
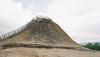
point(79, 18)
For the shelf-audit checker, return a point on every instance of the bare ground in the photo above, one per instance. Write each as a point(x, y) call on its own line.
point(43, 52)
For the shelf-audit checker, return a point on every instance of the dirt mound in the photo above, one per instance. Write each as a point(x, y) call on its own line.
point(41, 32)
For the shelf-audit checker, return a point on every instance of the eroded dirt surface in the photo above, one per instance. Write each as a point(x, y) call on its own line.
point(42, 52)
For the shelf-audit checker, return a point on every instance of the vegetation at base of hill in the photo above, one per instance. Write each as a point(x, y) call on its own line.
point(93, 46)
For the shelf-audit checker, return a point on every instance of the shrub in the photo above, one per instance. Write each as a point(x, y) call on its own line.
point(93, 46)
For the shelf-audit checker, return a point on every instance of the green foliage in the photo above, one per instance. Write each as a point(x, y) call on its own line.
point(93, 46)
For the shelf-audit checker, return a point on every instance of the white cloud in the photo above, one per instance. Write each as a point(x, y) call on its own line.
point(13, 15)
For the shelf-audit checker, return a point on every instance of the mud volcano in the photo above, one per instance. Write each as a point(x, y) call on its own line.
point(39, 33)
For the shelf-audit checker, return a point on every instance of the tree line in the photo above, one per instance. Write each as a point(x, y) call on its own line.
point(93, 46)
